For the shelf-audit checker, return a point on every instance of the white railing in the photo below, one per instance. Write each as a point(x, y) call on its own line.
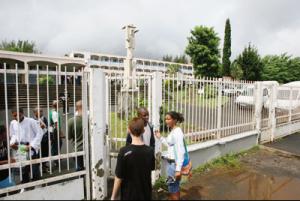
point(213, 108)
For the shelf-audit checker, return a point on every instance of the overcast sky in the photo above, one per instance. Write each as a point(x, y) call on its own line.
point(60, 26)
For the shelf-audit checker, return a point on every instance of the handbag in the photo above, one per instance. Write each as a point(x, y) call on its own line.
point(187, 165)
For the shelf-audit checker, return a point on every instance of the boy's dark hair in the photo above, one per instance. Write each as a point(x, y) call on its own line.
point(16, 110)
point(136, 127)
point(176, 116)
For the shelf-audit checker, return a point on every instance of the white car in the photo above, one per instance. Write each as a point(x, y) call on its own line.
point(246, 98)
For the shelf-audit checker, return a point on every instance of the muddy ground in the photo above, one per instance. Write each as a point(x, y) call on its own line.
point(266, 174)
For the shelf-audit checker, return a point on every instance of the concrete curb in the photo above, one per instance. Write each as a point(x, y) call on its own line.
point(274, 150)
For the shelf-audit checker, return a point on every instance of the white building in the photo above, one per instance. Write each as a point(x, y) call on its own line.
point(27, 65)
point(114, 65)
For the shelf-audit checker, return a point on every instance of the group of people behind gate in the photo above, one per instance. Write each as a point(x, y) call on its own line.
point(136, 160)
point(35, 138)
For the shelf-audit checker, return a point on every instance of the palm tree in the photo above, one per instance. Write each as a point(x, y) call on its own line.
point(173, 69)
point(19, 46)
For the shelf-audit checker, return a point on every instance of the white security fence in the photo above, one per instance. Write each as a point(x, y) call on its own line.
point(213, 109)
point(281, 113)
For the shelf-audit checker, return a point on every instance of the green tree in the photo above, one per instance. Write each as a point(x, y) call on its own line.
point(19, 46)
point(282, 68)
point(168, 58)
point(236, 71)
point(182, 59)
point(43, 80)
point(173, 69)
point(227, 50)
point(203, 49)
point(251, 64)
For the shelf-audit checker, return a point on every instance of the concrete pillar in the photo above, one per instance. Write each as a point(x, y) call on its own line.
point(26, 68)
point(99, 170)
point(258, 107)
point(219, 122)
point(156, 105)
point(59, 74)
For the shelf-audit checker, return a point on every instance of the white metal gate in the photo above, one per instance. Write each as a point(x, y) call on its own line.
point(61, 163)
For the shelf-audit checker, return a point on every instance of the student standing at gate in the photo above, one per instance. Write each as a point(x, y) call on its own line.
point(176, 153)
point(148, 136)
point(5, 181)
point(26, 136)
point(55, 130)
point(39, 116)
point(75, 134)
point(134, 166)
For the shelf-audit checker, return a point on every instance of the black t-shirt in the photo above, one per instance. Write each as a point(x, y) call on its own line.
point(134, 167)
point(3, 157)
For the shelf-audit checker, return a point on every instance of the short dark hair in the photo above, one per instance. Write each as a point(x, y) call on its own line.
point(137, 127)
point(16, 110)
point(142, 110)
point(176, 116)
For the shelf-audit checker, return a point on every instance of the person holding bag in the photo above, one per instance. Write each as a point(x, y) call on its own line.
point(179, 163)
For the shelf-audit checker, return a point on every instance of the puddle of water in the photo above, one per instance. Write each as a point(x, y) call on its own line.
point(243, 186)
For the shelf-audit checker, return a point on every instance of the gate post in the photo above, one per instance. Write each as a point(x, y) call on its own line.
point(272, 112)
point(258, 108)
point(156, 106)
point(219, 121)
point(97, 112)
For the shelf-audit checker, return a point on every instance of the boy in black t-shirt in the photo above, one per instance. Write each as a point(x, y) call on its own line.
point(134, 166)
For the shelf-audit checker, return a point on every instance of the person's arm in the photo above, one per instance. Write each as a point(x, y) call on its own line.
point(36, 142)
point(71, 129)
point(152, 139)
point(13, 138)
point(116, 189)
point(6, 161)
point(180, 150)
point(153, 162)
point(165, 141)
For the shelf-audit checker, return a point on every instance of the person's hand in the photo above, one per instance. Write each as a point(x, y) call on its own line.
point(43, 125)
point(15, 146)
point(157, 134)
point(178, 176)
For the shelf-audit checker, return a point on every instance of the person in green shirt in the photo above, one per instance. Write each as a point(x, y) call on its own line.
point(56, 133)
point(75, 134)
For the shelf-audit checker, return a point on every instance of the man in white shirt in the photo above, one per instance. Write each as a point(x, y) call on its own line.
point(148, 136)
point(26, 135)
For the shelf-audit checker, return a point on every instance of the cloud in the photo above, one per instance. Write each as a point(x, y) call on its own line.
point(60, 26)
